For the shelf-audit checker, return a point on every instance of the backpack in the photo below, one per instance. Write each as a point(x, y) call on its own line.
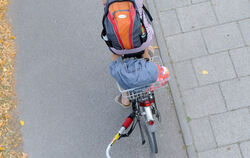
point(123, 28)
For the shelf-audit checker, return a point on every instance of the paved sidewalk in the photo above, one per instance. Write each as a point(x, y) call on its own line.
point(206, 44)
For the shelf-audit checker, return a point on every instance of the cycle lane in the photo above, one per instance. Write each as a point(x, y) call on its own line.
point(64, 89)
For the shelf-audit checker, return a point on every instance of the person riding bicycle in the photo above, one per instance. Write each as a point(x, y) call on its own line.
point(127, 50)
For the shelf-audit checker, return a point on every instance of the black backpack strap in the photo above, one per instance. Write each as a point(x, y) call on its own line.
point(104, 33)
point(147, 12)
point(104, 37)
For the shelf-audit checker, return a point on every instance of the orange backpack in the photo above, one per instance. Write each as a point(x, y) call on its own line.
point(122, 26)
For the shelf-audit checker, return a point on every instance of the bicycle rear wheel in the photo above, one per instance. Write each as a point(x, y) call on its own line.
point(151, 138)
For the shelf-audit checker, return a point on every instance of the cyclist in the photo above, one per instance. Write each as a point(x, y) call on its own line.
point(141, 51)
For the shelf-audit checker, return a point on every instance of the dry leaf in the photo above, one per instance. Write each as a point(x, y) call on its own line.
point(24, 155)
point(2, 62)
point(21, 122)
point(2, 149)
point(204, 72)
point(12, 55)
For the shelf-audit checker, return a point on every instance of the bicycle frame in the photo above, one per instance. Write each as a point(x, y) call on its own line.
point(141, 106)
point(147, 103)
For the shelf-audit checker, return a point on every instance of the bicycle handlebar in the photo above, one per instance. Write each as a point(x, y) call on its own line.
point(125, 125)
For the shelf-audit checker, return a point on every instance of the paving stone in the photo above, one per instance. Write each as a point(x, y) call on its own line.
point(163, 5)
point(196, 16)
point(203, 101)
point(222, 37)
point(202, 134)
point(169, 22)
point(231, 151)
point(218, 66)
point(231, 10)
point(231, 127)
point(236, 93)
point(245, 28)
point(245, 149)
point(241, 60)
point(199, 1)
point(185, 75)
point(186, 46)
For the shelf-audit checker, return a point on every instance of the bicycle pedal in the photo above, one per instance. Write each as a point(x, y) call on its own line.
point(158, 116)
point(143, 142)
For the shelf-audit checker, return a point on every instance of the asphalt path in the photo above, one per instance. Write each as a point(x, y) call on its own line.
point(65, 92)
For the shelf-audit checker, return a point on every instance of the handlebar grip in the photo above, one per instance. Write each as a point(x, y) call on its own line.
point(128, 120)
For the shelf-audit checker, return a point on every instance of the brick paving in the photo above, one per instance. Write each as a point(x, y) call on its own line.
point(203, 101)
point(231, 151)
point(244, 26)
point(211, 36)
point(245, 148)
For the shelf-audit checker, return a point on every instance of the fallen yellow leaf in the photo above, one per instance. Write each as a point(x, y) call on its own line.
point(21, 122)
point(24, 155)
point(1, 149)
point(155, 47)
point(13, 37)
point(12, 55)
point(2, 62)
point(204, 72)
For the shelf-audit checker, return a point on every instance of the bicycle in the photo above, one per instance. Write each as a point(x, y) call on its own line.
point(143, 109)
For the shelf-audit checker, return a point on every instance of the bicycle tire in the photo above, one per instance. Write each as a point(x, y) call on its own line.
point(152, 139)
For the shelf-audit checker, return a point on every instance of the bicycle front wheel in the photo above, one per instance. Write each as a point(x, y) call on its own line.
point(151, 138)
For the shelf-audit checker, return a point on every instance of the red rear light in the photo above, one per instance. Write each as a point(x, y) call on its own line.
point(146, 103)
point(151, 122)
